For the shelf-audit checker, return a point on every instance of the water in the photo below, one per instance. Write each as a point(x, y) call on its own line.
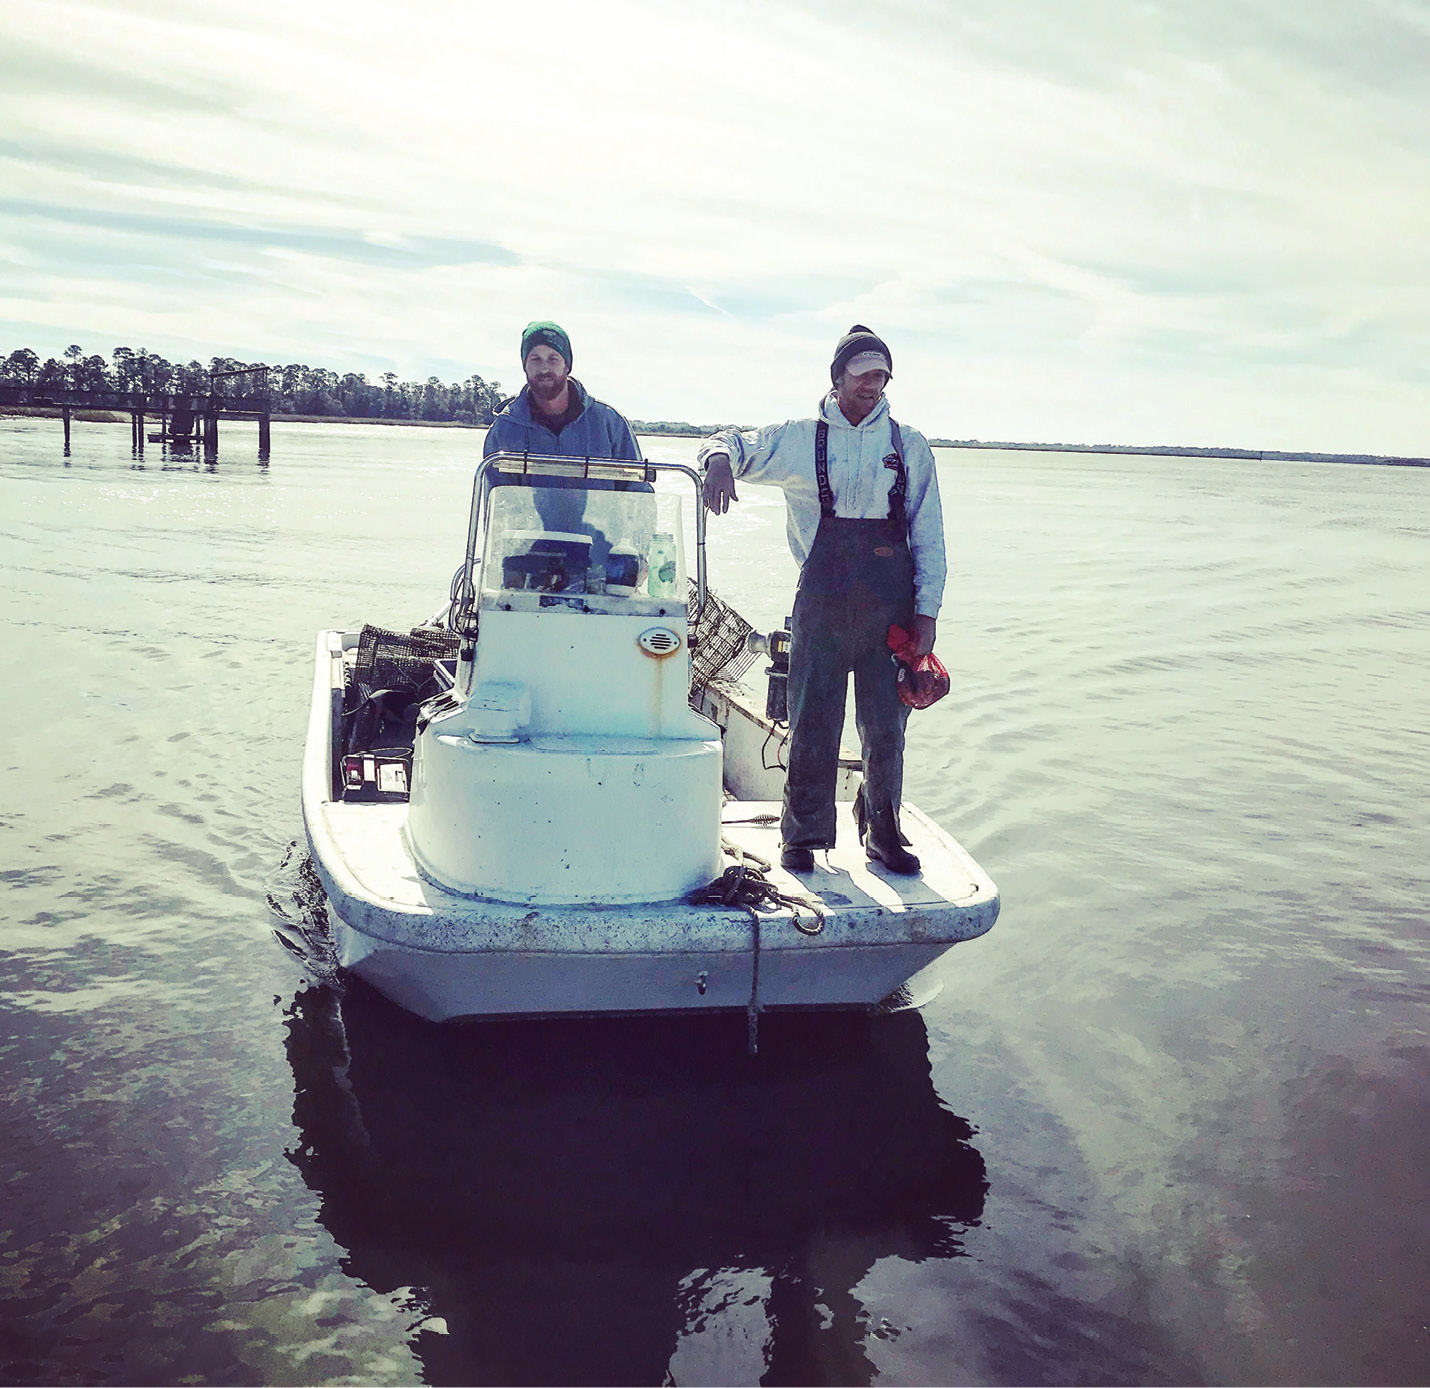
point(1166, 1123)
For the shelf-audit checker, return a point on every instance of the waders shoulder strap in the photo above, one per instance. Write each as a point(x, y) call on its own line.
point(895, 461)
point(821, 469)
point(900, 490)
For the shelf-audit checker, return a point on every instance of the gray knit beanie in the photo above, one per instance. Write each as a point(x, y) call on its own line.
point(858, 339)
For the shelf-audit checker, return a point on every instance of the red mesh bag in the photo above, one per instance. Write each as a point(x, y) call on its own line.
point(922, 680)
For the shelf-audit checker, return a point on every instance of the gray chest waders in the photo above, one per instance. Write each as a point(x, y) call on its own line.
point(857, 582)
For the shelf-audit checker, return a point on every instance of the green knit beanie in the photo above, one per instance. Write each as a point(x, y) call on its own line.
point(544, 333)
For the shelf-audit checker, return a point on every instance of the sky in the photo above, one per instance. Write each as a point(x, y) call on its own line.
point(1081, 221)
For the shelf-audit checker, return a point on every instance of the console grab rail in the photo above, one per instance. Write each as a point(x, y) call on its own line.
point(551, 465)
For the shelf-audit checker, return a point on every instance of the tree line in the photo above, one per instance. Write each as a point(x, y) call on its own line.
point(294, 389)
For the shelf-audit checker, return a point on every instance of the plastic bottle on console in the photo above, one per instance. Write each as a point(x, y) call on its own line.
point(662, 565)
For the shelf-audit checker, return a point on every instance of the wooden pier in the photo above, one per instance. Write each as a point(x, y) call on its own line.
point(183, 418)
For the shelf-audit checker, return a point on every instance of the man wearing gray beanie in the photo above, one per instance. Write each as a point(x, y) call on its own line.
point(865, 526)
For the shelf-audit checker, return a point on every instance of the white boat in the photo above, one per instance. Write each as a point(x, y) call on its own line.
point(525, 840)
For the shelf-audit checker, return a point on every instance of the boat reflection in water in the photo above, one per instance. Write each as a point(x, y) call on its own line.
point(567, 1195)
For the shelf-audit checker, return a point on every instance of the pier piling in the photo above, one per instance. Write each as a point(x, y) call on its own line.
point(183, 417)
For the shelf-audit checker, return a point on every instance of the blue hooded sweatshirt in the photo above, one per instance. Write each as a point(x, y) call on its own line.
point(598, 431)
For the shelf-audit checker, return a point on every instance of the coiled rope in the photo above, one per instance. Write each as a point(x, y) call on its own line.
point(745, 887)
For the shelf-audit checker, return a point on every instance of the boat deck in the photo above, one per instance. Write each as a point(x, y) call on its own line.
point(376, 886)
point(845, 882)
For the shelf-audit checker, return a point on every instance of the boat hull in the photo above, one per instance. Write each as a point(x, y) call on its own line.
point(445, 986)
point(864, 934)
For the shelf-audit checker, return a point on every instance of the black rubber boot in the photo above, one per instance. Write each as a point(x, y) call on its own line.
point(797, 859)
point(883, 842)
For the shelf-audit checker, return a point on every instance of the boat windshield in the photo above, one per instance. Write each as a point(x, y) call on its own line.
point(586, 550)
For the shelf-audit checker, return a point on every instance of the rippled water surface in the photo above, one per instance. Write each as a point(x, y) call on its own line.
point(1166, 1123)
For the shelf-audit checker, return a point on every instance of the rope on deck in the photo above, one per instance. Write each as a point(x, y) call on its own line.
point(745, 887)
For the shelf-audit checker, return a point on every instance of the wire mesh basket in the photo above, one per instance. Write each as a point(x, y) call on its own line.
point(718, 643)
point(401, 661)
point(394, 672)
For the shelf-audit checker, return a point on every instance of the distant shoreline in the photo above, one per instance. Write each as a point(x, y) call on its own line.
point(691, 431)
point(1270, 455)
point(355, 419)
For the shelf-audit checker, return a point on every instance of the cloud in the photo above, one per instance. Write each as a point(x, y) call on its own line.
point(189, 234)
point(38, 70)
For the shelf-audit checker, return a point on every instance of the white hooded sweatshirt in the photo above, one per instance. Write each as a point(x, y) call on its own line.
point(782, 455)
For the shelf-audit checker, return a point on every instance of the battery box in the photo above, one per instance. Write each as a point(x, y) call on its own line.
point(377, 776)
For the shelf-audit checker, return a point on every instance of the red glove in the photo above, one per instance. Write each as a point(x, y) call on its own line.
point(922, 680)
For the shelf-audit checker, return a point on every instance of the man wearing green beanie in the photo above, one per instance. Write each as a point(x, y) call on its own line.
point(554, 414)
